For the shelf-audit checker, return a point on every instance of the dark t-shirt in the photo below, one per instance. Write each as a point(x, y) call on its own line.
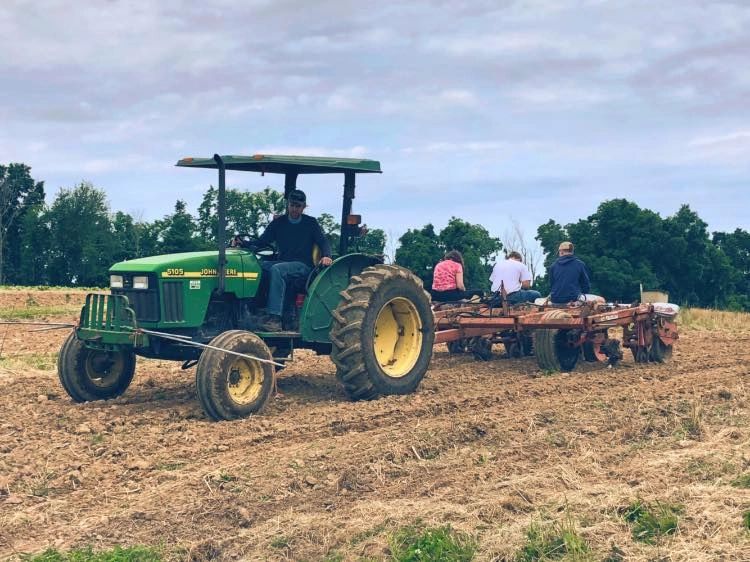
point(294, 242)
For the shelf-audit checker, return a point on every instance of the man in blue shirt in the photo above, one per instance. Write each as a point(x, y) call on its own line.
point(295, 234)
point(568, 276)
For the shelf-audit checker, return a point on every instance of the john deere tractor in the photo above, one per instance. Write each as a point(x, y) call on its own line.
point(200, 308)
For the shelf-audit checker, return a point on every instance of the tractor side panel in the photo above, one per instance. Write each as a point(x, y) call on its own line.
point(324, 295)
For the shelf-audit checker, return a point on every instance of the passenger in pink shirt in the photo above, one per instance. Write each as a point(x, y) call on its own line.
point(448, 279)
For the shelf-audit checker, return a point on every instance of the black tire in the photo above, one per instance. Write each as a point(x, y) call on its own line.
point(552, 350)
point(589, 352)
point(481, 348)
point(522, 348)
point(640, 354)
point(385, 297)
point(659, 352)
point(232, 387)
point(457, 346)
point(90, 374)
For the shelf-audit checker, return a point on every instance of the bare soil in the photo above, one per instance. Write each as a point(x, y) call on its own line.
point(486, 447)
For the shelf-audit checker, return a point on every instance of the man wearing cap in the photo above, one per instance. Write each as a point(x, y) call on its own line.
point(295, 234)
point(568, 276)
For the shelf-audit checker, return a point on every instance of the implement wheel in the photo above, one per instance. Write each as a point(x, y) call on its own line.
point(658, 351)
point(90, 374)
point(231, 387)
point(555, 350)
point(382, 333)
point(521, 348)
point(481, 348)
point(457, 346)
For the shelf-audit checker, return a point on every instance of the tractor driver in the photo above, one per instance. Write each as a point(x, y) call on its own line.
point(295, 235)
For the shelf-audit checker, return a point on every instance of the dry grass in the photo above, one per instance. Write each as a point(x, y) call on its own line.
point(713, 320)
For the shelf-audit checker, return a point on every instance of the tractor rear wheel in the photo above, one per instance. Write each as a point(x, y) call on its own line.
point(554, 350)
point(231, 387)
point(91, 374)
point(382, 333)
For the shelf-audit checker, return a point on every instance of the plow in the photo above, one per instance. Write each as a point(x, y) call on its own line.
point(559, 336)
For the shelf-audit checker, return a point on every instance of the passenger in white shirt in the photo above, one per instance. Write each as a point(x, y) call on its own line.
point(515, 278)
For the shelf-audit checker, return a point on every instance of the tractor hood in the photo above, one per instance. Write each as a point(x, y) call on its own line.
point(188, 262)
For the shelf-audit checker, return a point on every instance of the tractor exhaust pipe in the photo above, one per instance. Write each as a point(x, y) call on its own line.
point(222, 224)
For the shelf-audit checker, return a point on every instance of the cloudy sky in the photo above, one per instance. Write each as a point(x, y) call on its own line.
point(492, 111)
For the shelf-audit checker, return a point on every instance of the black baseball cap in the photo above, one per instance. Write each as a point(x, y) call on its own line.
point(297, 196)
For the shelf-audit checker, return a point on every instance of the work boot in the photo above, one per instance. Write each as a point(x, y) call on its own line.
point(271, 323)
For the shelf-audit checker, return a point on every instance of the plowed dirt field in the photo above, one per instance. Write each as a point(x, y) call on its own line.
point(486, 447)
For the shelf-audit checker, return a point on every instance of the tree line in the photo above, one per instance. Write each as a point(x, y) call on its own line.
point(75, 239)
point(623, 246)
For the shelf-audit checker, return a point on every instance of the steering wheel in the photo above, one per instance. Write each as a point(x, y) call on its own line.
point(264, 251)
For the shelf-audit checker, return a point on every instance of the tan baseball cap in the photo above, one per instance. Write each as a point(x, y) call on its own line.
point(567, 246)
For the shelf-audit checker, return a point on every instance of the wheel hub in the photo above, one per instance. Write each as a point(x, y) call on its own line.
point(398, 337)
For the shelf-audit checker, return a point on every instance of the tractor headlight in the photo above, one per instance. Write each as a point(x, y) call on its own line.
point(140, 282)
point(115, 281)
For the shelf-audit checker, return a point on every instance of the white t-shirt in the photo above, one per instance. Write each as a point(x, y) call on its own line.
point(511, 273)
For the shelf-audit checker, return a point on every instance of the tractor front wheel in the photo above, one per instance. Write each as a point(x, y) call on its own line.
point(232, 387)
point(91, 374)
point(383, 332)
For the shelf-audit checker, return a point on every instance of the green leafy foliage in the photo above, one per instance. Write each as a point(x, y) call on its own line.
point(117, 554)
point(746, 520)
point(421, 249)
point(650, 523)
point(416, 544)
point(625, 246)
point(20, 197)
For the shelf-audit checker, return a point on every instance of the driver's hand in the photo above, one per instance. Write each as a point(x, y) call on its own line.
point(325, 261)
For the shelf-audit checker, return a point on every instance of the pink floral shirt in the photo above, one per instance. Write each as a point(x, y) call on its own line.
point(444, 275)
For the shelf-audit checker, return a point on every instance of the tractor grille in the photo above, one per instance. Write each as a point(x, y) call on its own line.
point(144, 303)
point(173, 305)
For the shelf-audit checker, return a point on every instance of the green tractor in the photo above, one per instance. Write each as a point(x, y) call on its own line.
point(200, 308)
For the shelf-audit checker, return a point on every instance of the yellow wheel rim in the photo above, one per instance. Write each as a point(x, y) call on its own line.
point(398, 337)
point(104, 368)
point(245, 380)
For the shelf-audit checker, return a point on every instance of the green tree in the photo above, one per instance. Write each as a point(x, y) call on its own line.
point(18, 194)
point(35, 246)
point(331, 229)
point(81, 239)
point(420, 250)
point(736, 246)
point(373, 242)
point(624, 246)
point(246, 213)
point(179, 232)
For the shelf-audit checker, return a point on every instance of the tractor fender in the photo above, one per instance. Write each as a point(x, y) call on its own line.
point(324, 294)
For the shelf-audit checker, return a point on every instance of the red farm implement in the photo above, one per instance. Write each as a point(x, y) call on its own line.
point(558, 336)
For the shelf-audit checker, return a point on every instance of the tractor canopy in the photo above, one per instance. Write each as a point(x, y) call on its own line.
point(281, 164)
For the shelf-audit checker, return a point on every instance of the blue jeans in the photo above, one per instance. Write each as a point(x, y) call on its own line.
point(523, 295)
point(281, 272)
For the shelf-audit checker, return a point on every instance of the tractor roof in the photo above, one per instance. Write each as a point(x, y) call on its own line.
point(280, 164)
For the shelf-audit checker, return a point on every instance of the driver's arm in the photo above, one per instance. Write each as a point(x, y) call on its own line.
point(268, 236)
